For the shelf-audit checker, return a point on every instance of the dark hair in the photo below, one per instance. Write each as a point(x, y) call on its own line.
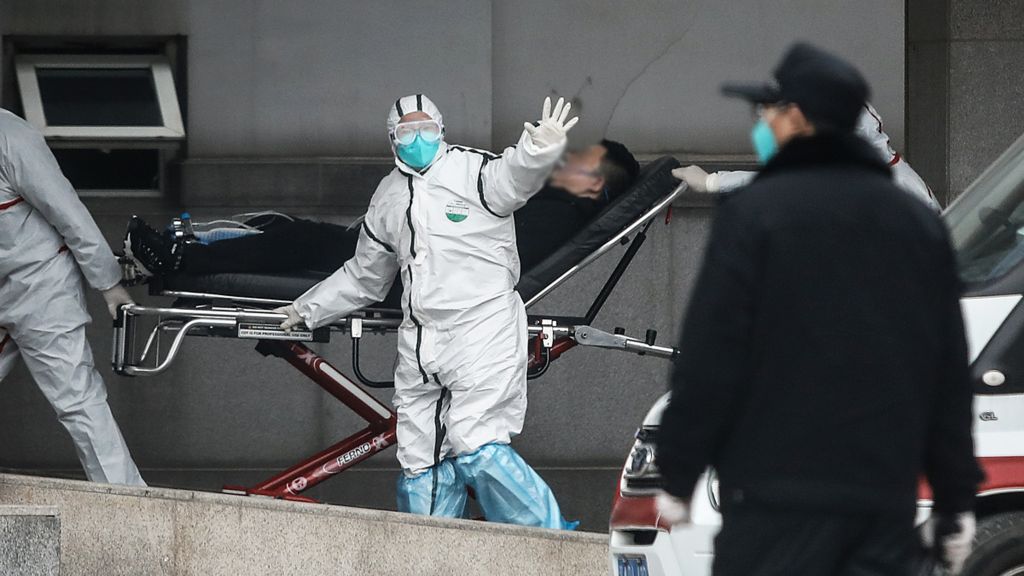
point(618, 167)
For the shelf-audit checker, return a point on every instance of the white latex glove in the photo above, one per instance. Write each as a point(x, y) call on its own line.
point(671, 509)
point(553, 126)
point(955, 546)
point(115, 298)
point(697, 179)
point(293, 317)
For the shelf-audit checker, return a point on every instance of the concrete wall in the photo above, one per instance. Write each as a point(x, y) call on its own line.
point(118, 531)
point(649, 73)
point(315, 77)
point(29, 540)
point(299, 79)
point(286, 100)
point(965, 92)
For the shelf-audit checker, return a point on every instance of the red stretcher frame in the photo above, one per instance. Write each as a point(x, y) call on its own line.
point(379, 433)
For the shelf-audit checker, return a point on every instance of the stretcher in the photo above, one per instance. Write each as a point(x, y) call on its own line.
point(148, 339)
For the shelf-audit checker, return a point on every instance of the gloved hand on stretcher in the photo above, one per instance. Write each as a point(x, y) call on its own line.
point(697, 179)
point(293, 319)
point(115, 297)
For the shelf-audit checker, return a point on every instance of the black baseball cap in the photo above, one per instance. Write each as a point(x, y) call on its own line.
point(829, 90)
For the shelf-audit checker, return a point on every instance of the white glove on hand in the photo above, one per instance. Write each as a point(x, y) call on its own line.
point(956, 541)
point(671, 509)
point(697, 179)
point(115, 298)
point(293, 317)
point(552, 127)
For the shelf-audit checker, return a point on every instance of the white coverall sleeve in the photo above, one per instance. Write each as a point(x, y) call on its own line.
point(508, 181)
point(35, 175)
point(729, 180)
point(364, 279)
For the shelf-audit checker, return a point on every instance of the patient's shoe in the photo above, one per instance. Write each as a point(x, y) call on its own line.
point(153, 252)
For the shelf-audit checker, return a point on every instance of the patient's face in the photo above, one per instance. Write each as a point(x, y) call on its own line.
point(580, 173)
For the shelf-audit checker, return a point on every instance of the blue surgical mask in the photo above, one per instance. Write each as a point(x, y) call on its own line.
point(418, 153)
point(764, 141)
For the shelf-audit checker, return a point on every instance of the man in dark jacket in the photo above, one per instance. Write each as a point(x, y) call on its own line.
point(578, 189)
point(824, 366)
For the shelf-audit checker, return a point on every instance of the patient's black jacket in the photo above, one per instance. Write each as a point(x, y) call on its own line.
point(823, 361)
point(548, 220)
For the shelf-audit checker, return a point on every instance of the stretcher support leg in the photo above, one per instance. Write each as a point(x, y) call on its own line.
point(379, 434)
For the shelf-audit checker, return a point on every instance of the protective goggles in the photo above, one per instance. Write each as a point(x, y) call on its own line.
point(405, 133)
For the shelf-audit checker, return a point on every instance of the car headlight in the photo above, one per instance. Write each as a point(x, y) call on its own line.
point(641, 475)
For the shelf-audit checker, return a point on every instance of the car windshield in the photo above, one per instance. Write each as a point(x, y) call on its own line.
point(987, 221)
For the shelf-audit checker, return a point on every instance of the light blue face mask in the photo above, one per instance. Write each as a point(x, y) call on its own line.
point(764, 141)
point(418, 153)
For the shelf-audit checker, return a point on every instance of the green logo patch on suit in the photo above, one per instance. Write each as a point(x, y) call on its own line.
point(456, 210)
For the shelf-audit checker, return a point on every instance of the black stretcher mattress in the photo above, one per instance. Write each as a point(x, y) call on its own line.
point(653, 183)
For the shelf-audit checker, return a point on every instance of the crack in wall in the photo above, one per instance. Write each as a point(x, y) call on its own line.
point(657, 57)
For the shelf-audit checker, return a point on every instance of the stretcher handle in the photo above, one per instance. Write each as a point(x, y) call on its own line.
point(172, 352)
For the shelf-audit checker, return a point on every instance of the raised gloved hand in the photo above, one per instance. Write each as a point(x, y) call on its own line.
point(116, 297)
point(951, 538)
point(697, 179)
point(293, 319)
point(672, 510)
point(553, 126)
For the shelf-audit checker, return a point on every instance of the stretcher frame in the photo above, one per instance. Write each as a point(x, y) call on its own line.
point(221, 315)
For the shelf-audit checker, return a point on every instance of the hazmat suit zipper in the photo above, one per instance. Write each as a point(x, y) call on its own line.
point(412, 292)
point(419, 329)
point(408, 219)
point(412, 248)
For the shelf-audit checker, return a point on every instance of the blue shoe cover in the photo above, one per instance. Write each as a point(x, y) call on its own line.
point(435, 492)
point(508, 489)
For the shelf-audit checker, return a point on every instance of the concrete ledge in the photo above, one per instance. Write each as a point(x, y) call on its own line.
point(29, 540)
point(29, 511)
point(140, 531)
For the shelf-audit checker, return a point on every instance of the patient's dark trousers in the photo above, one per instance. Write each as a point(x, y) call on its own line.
point(283, 247)
point(767, 542)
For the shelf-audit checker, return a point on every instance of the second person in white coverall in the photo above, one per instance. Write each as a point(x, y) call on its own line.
point(869, 127)
point(443, 220)
point(48, 242)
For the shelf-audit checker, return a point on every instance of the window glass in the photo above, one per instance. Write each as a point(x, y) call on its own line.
point(99, 97)
point(90, 169)
point(987, 222)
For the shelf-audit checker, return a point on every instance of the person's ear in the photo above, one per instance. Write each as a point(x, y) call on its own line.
point(598, 184)
point(801, 125)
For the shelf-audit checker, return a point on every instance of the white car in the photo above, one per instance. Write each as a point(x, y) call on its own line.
point(987, 228)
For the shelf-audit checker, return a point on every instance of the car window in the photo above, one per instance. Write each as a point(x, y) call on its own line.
point(987, 221)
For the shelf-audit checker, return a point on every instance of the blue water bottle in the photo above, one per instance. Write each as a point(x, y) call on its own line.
point(186, 225)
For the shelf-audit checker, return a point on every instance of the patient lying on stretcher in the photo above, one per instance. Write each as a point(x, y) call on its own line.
point(576, 191)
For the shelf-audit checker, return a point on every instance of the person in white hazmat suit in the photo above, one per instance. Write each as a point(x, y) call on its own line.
point(48, 242)
point(443, 220)
point(869, 127)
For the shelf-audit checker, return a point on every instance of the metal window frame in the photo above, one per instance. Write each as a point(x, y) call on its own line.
point(167, 98)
